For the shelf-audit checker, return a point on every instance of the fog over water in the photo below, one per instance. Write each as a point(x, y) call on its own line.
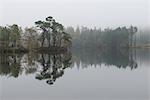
point(82, 80)
point(101, 64)
point(91, 13)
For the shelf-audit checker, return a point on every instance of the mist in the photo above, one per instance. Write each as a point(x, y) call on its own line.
point(90, 13)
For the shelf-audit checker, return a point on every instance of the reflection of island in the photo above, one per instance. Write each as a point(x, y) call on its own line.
point(50, 67)
point(10, 65)
point(53, 66)
point(46, 66)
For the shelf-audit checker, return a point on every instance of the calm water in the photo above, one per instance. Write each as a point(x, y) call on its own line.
point(80, 75)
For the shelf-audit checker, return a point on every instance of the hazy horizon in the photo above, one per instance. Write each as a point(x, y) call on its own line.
point(90, 13)
point(43, 61)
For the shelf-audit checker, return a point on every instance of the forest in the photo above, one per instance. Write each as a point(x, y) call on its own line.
point(51, 36)
point(47, 35)
point(121, 37)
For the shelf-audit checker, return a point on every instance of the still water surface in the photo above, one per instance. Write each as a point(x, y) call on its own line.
point(81, 76)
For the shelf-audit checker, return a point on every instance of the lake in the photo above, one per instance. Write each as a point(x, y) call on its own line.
point(77, 75)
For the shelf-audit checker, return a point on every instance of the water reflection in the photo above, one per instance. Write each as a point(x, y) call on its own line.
point(121, 58)
point(47, 67)
point(50, 67)
point(53, 66)
point(10, 65)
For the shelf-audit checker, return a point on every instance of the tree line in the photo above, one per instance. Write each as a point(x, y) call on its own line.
point(83, 37)
point(143, 37)
point(51, 34)
point(45, 34)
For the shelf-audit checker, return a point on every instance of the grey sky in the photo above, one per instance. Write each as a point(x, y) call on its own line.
point(99, 13)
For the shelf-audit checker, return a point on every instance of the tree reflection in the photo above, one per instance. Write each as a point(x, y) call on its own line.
point(10, 65)
point(50, 67)
point(121, 58)
point(53, 66)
